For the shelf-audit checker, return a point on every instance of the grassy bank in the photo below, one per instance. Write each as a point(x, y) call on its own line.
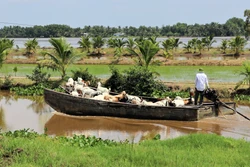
point(22, 148)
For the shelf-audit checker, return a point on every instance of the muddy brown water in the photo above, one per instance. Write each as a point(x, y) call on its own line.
point(33, 113)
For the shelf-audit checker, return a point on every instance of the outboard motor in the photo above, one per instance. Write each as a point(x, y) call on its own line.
point(211, 94)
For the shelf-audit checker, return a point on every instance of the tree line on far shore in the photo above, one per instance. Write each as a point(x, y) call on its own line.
point(233, 27)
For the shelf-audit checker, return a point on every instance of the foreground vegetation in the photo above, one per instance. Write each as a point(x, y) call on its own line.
point(25, 148)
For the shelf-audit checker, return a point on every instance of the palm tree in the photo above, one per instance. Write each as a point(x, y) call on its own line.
point(130, 43)
point(200, 45)
point(237, 44)
point(167, 44)
point(208, 41)
point(118, 44)
point(176, 42)
point(31, 46)
point(246, 74)
point(188, 46)
point(224, 45)
point(85, 43)
point(98, 43)
point(63, 55)
point(193, 43)
point(5, 44)
point(147, 50)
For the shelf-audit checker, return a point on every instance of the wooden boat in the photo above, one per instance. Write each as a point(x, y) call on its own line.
point(68, 104)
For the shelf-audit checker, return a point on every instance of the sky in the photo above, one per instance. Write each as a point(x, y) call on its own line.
point(114, 13)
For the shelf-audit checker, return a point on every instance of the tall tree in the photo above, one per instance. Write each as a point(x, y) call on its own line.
point(247, 25)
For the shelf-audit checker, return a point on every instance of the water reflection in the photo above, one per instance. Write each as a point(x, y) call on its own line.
point(117, 129)
point(23, 113)
point(18, 113)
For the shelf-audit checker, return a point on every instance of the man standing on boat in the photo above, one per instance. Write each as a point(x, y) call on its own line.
point(201, 83)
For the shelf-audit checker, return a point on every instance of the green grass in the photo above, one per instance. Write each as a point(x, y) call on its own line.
point(167, 73)
point(191, 150)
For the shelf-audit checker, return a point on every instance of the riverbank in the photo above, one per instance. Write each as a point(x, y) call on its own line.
point(22, 148)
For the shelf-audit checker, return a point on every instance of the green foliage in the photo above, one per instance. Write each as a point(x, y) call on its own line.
point(116, 81)
point(34, 90)
point(247, 23)
point(208, 41)
point(5, 44)
point(246, 74)
point(157, 137)
point(237, 45)
point(147, 50)
point(31, 46)
point(187, 47)
point(38, 76)
point(242, 97)
point(63, 55)
point(7, 82)
point(24, 133)
point(136, 81)
point(224, 45)
point(85, 43)
point(86, 76)
point(171, 94)
point(98, 42)
point(15, 70)
point(82, 141)
point(189, 150)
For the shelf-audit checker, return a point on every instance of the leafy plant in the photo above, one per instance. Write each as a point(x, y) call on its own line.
point(63, 55)
point(31, 46)
point(116, 80)
point(15, 70)
point(147, 51)
point(5, 44)
point(237, 44)
point(85, 43)
point(7, 82)
point(38, 76)
point(141, 81)
point(246, 74)
point(34, 90)
point(86, 76)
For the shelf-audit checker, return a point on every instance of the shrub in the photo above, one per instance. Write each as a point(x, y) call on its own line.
point(116, 81)
point(86, 76)
point(135, 81)
point(38, 76)
point(7, 82)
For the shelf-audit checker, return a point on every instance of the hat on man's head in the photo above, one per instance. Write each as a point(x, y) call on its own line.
point(200, 69)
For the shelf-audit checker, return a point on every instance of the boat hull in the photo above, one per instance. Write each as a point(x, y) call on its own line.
point(65, 103)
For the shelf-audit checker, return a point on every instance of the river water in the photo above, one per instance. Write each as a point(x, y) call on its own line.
point(33, 113)
point(44, 42)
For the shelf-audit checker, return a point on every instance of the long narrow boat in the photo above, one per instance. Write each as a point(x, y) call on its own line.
point(68, 104)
